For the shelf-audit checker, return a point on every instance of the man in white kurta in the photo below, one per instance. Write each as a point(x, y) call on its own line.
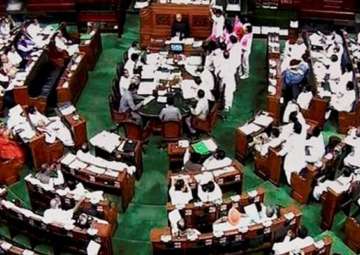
point(294, 152)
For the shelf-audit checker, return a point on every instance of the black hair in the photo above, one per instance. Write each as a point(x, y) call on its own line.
point(303, 232)
point(170, 100)
point(132, 86)
point(316, 132)
point(134, 43)
point(219, 154)
point(334, 58)
point(233, 39)
point(297, 127)
point(179, 184)
point(347, 172)
point(350, 85)
point(275, 132)
point(226, 54)
point(293, 116)
point(31, 109)
point(201, 93)
point(134, 57)
point(197, 80)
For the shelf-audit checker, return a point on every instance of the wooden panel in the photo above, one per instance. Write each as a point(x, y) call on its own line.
point(156, 21)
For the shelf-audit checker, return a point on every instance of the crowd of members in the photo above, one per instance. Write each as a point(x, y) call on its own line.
point(25, 122)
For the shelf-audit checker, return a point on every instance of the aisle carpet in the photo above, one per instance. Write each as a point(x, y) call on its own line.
point(147, 209)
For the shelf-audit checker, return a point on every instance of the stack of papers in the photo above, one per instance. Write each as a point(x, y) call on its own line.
point(263, 120)
point(106, 140)
point(250, 128)
point(146, 88)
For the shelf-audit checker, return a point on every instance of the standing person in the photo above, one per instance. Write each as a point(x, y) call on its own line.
point(246, 42)
point(218, 24)
point(180, 28)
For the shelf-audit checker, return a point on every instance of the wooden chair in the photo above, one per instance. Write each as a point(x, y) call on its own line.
point(136, 132)
point(117, 116)
point(171, 131)
point(206, 125)
point(9, 171)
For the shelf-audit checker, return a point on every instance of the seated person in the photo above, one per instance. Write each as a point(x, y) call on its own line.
point(170, 112)
point(130, 64)
point(127, 104)
point(64, 44)
point(341, 184)
point(207, 82)
point(216, 161)
point(208, 189)
point(200, 111)
point(9, 149)
point(134, 48)
point(304, 98)
point(180, 28)
point(8, 67)
point(353, 140)
point(57, 215)
point(25, 46)
point(263, 142)
point(53, 127)
point(14, 57)
point(124, 82)
point(233, 220)
point(315, 147)
point(49, 176)
point(292, 243)
point(343, 101)
point(177, 225)
point(5, 28)
point(180, 192)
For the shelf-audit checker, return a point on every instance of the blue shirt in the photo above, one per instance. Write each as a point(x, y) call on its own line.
point(295, 77)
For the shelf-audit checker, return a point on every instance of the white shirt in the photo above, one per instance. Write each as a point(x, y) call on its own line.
point(215, 195)
point(14, 58)
point(130, 65)
point(207, 84)
point(180, 197)
point(316, 147)
point(202, 108)
point(304, 99)
point(218, 25)
point(124, 84)
point(63, 217)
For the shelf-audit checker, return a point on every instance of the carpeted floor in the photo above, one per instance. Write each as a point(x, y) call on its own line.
point(147, 210)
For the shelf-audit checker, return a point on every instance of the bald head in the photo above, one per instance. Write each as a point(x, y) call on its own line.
point(178, 17)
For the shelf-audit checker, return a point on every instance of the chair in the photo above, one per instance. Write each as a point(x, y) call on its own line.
point(206, 125)
point(171, 131)
point(136, 132)
point(117, 116)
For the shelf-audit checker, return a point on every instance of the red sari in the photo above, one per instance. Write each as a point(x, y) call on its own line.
point(11, 150)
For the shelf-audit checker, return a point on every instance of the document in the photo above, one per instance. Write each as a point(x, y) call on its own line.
point(146, 88)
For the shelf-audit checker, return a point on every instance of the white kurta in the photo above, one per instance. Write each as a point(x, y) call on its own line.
point(316, 147)
point(294, 151)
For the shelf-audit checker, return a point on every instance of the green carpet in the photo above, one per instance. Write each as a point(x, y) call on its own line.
point(147, 210)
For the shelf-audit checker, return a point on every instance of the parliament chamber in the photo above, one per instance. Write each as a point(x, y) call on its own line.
point(180, 127)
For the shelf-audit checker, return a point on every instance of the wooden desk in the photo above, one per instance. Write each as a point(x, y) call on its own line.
point(41, 6)
point(203, 216)
point(75, 240)
point(176, 155)
point(43, 152)
point(40, 200)
point(77, 127)
point(73, 80)
point(269, 166)
point(242, 140)
point(256, 238)
point(92, 48)
point(352, 234)
point(122, 185)
point(133, 157)
point(229, 181)
point(14, 249)
point(157, 19)
point(331, 202)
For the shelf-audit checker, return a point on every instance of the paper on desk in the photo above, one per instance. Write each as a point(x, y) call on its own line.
point(146, 88)
point(250, 128)
point(263, 120)
point(210, 144)
point(252, 212)
point(223, 171)
point(77, 164)
point(96, 169)
point(111, 173)
point(148, 99)
point(189, 89)
point(183, 143)
point(67, 159)
point(27, 134)
point(67, 110)
point(106, 140)
point(162, 99)
point(6, 246)
point(194, 60)
point(93, 248)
